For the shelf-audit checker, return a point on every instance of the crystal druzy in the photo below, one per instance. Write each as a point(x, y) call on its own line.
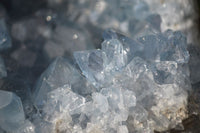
point(126, 86)
point(135, 84)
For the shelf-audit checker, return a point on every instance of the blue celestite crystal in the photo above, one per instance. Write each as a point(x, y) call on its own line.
point(135, 82)
point(12, 118)
point(130, 78)
point(98, 65)
point(92, 64)
point(11, 111)
point(131, 48)
point(150, 69)
point(59, 73)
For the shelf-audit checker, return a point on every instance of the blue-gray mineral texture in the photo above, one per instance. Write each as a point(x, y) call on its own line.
point(133, 79)
point(126, 86)
point(12, 117)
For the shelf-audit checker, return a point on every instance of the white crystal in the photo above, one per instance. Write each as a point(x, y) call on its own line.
point(63, 99)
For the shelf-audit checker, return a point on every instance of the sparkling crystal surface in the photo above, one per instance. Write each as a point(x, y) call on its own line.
point(146, 80)
point(137, 80)
point(126, 86)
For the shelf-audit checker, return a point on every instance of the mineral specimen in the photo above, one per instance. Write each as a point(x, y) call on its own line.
point(135, 89)
point(133, 83)
point(135, 17)
point(58, 74)
point(12, 118)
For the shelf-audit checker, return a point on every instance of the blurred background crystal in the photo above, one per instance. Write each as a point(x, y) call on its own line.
point(12, 114)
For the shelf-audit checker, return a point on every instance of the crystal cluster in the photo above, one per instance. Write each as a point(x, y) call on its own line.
point(133, 83)
point(125, 88)
point(134, 16)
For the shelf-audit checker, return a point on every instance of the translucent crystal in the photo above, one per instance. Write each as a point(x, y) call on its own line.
point(92, 64)
point(26, 127)
point(139, 86)
point(59, 73)
point(173, 21)
point(156, 76)
point(165, 72)
point(132, 17)
point(115, 54)
point(43, 126)
point(97, 65)
point(172, 46)
point(63, 99)
point(131, 48)
point(61, 107)
point(11, 112)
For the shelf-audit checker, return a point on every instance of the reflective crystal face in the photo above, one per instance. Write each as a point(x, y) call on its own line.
point(137, 74)
point(136, 82)
point(58, 74)
point(95, 61)
point(126, 86)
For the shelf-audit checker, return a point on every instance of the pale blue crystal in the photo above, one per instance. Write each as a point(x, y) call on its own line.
point(131, 48)
point(26, 127)
point(136, 83)
point(170, 46)
point(97, 65)
point(165, 72)
point(63, 99)
point(92, 64)
point(116, 56)
point(11, 111)
point(59, 73)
